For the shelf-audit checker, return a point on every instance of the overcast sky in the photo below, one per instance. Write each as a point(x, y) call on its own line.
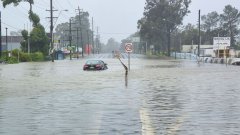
point(114, 18)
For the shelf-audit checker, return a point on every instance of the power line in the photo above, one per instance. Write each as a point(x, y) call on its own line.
point(11, 26)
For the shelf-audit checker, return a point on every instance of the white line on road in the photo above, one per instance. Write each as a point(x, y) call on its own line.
point(147, 128)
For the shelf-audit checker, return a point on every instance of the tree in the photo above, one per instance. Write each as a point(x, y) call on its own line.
point(38, 38)
point(161, 17)
point(112, 45)
point(24, 43)
point(229, 22)
point(210, 21)
point(16, 3)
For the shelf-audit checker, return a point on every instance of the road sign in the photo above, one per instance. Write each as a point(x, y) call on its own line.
point(221, 42)
point(128, 47)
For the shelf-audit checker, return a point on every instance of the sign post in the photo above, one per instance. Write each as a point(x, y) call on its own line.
point(128, 49)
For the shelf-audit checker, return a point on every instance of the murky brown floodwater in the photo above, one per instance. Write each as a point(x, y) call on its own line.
point(161, 98)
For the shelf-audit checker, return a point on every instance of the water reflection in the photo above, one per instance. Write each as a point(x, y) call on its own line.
point(126, 78)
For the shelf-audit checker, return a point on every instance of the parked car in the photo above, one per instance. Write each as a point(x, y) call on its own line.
point(95, 65)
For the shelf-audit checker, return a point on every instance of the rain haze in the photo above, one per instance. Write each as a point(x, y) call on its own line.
point(171, 82)
point(113, 18)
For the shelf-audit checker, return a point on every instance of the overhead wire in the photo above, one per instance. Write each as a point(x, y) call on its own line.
point(11, 26)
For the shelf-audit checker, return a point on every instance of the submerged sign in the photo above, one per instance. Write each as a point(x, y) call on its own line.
point(220, 43)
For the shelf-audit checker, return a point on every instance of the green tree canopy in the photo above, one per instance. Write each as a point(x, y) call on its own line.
point(38, 38)
point(161, 17)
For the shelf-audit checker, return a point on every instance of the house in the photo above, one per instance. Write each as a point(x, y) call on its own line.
point(13, 42)
point(205, 50)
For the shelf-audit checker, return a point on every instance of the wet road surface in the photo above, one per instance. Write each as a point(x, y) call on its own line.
point(158, 97)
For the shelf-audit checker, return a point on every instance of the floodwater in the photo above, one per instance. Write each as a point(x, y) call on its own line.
point(158, 97)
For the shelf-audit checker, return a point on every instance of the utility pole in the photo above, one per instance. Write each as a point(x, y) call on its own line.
point(88, 42)
point(80, 28)
point(70, 38)
point(51, 30)
point(98, 42)
point(77, 43)
point(93, 37)
point(199, 32)
point(28, 40)
point(0, 34)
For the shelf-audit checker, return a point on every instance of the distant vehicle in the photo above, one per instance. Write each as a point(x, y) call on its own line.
point(95, 65)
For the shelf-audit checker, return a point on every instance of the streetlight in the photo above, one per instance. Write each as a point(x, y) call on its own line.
point(6, 43)
point(59, 16)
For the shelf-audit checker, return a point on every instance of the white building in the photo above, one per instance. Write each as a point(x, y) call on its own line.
point(205, 50)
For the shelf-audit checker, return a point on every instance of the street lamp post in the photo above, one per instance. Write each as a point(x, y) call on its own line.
point(6, 43)
point(59, 16)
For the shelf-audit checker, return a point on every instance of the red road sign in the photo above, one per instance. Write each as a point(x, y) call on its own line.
point(128, 47)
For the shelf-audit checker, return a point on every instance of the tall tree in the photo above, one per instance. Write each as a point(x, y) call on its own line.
point(38, 37)
point(16, 3)
point(189, 35)
point(229, 21)
point(211, 22)
point(161, 17)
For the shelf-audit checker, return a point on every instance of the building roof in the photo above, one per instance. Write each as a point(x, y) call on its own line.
point(12, 39)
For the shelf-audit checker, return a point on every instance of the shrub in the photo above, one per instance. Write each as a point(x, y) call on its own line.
point(37, 56)
point(25, 57)
point(12, 60)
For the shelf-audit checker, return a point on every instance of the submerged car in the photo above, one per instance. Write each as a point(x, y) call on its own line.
point(95, 65)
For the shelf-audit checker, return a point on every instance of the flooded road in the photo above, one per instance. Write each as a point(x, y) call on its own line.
point(158, 97)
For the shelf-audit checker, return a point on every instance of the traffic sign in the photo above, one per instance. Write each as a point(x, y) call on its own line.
point(128, 47)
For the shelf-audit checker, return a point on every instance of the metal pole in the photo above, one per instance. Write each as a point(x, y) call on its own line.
point(6, 43)
point(199, 39)
point(129, 61)
point(80, 21)
point(88, 42)
point(28, 42)
point(70, 39)
point(93, 37)
point(51, 30)
point(77, 44)
point(0, 35)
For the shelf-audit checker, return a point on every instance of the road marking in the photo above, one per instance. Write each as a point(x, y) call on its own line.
point(147, 128)
point(176, 126)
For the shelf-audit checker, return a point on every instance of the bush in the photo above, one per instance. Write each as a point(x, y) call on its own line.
point(37, 56)
point(12, 60)
point(25, 57)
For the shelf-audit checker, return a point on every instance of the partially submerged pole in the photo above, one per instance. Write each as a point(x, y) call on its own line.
point(125, 67)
